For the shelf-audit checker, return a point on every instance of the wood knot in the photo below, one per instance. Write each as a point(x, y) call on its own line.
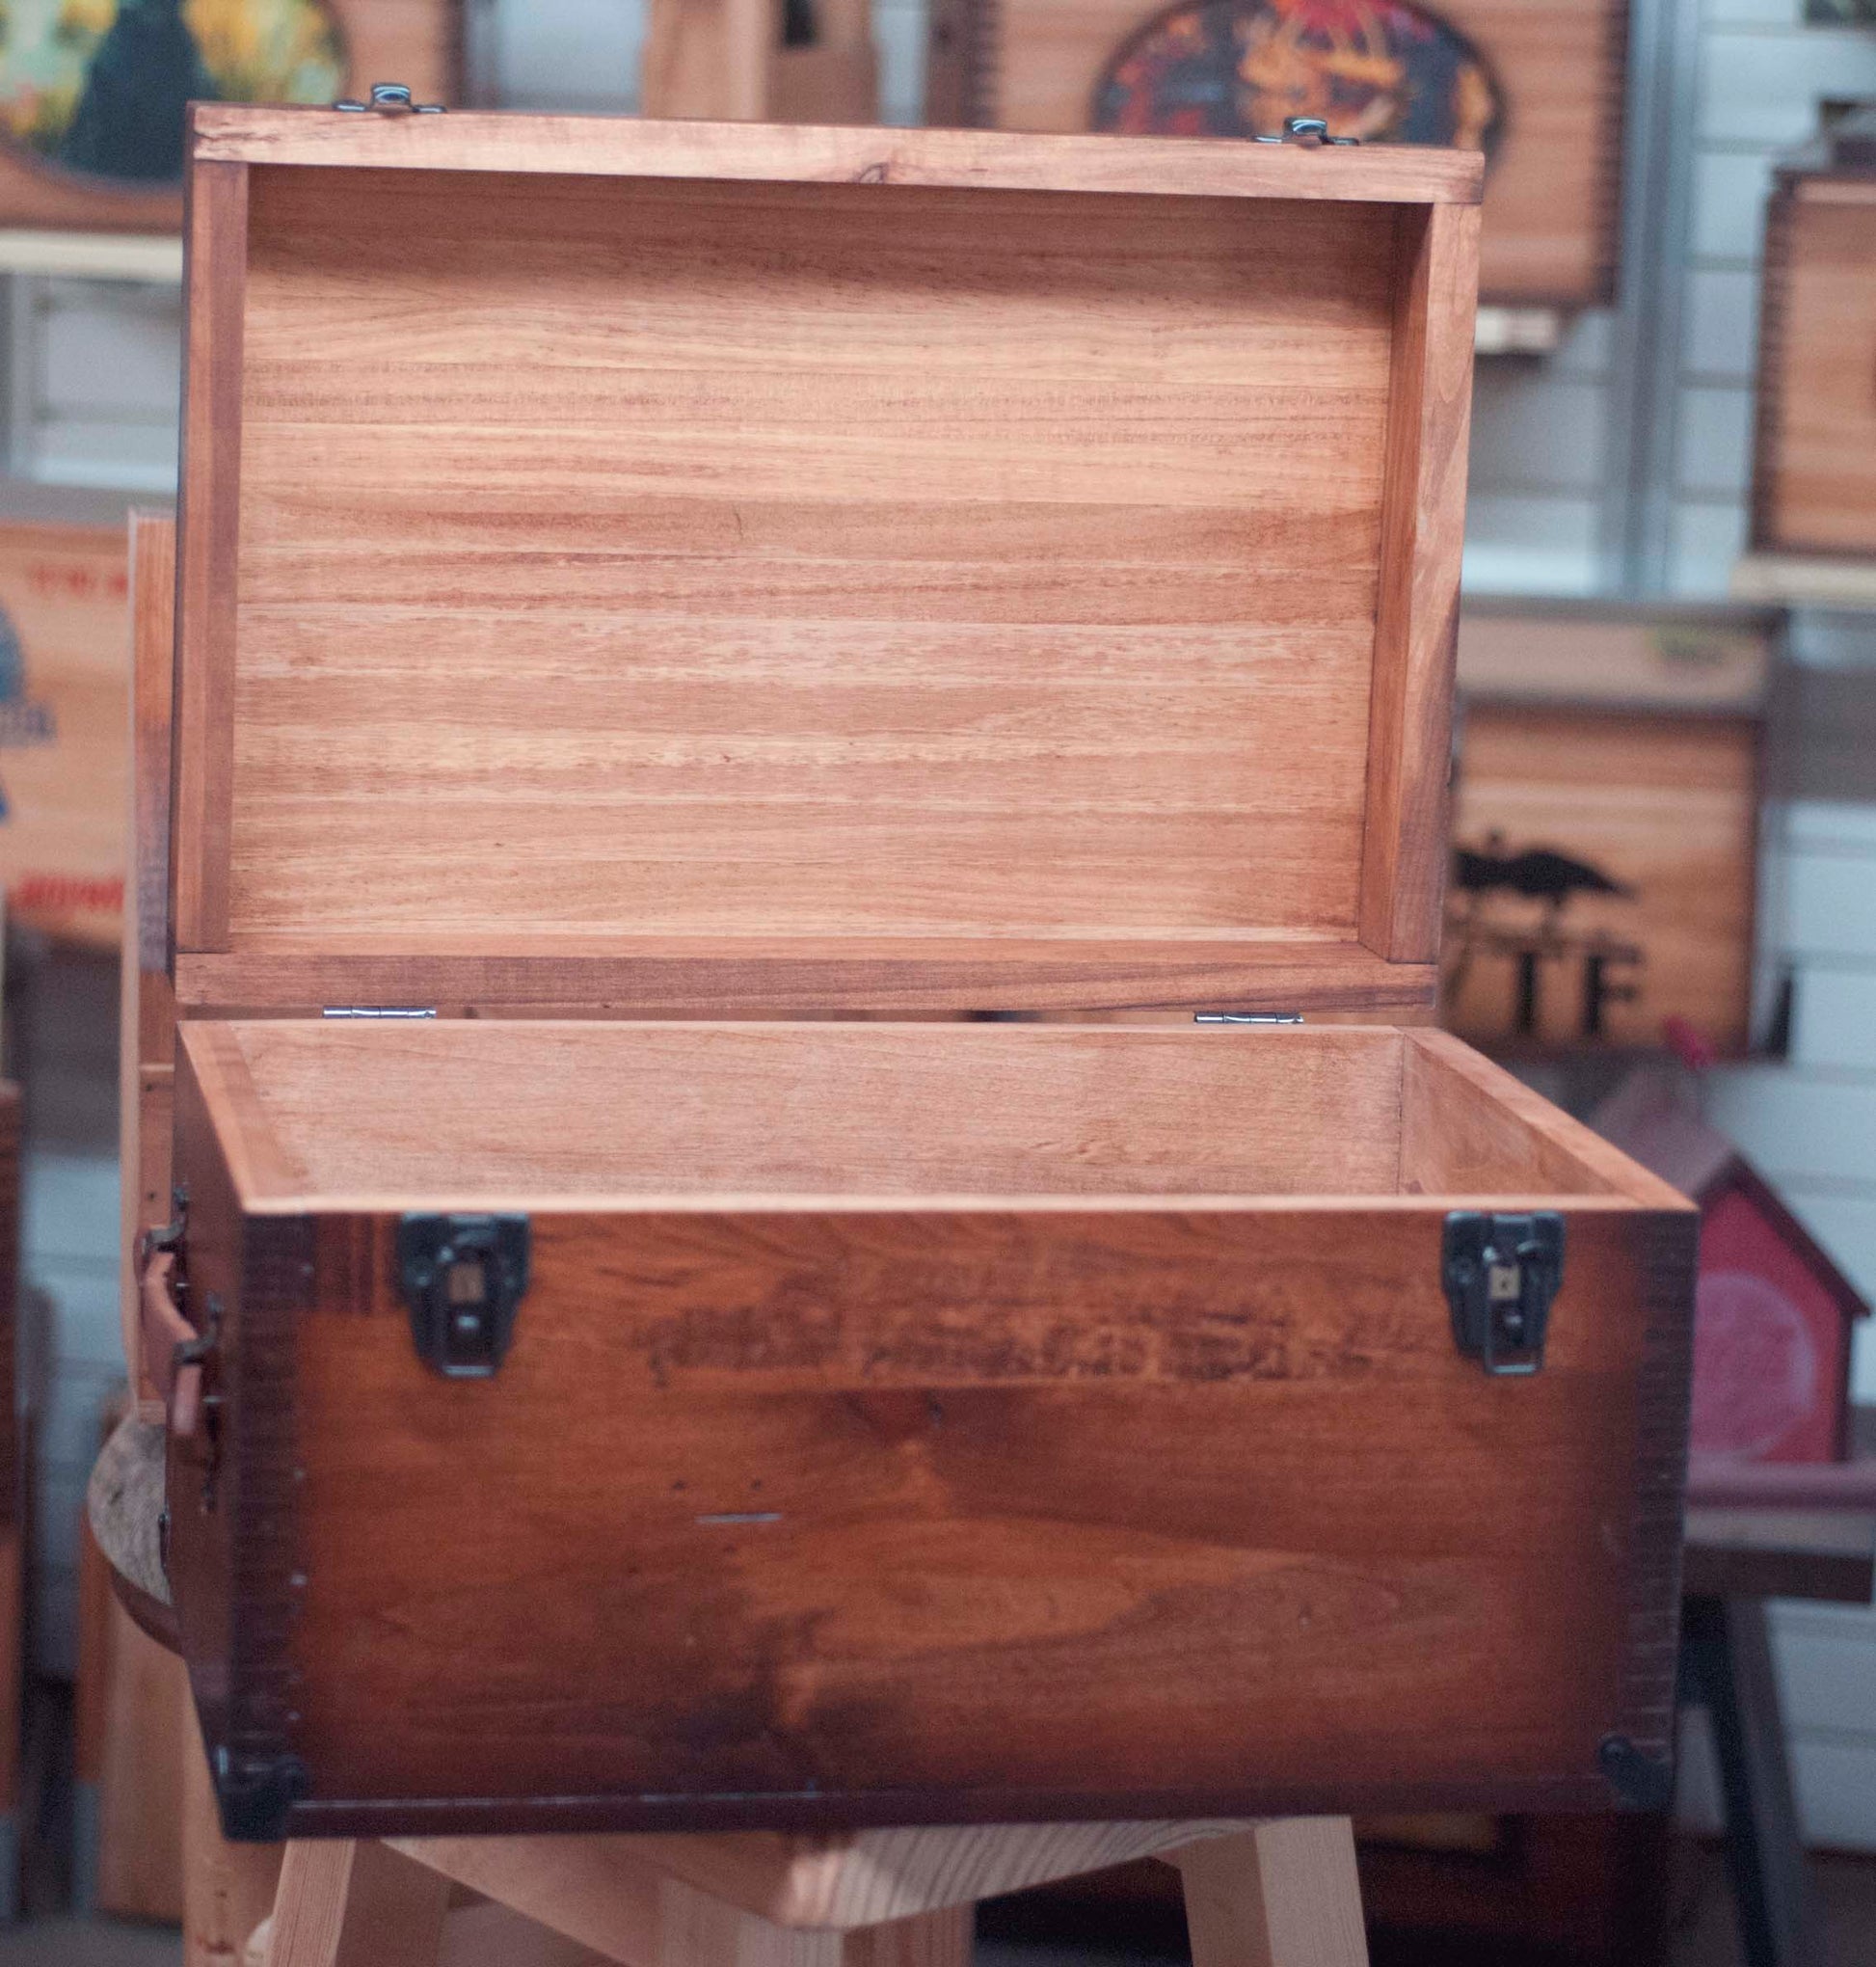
point(876, 174)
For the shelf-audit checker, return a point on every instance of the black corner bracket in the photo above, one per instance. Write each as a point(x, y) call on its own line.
point(1639, 1780)
point(255, 1793)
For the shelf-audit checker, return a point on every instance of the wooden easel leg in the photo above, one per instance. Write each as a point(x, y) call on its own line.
point(356, 1904)
point(1284, 1894)
point(929, 1939)
point(226, 1889)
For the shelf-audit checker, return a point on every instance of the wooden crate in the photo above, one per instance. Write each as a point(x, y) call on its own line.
point(1814, 471)
point(1556, 68)
point(117, 165)
point(804, 574)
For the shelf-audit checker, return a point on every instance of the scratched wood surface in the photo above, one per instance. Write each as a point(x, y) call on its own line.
point(1009, 580)
point(1814, 480)
point(1551, 203)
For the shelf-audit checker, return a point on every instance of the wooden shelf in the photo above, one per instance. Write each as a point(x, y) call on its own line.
point(1807, 581)
point(92, 255)
point(1519, 330)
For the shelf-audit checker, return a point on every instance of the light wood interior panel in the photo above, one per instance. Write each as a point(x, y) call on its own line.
point(372, 1111)
point(760, 561)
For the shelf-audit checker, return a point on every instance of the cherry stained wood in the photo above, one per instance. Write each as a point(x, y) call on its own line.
point(858, 1511)
point(986, 159)
point(1814, 476)
point(890, 584)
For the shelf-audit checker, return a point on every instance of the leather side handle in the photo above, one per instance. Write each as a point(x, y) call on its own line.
point(165, 1333)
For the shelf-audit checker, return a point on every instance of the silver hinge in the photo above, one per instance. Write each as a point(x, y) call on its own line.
point(1250, 1018)
point(1306, 129)
point(390, 99)
point(379, 1011)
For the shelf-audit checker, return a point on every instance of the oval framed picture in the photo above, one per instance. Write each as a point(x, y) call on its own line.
point(1377, 70)
point(92, 93)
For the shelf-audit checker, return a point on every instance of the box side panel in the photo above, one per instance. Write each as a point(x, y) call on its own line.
point(234, 1485)
point(822, 1520)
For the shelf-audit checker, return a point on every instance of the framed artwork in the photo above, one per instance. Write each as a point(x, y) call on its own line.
point(1536, 83)
point(92, 91)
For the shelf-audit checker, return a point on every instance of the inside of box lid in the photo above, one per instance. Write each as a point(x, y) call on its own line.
point(630, 563)
point(496, 1114)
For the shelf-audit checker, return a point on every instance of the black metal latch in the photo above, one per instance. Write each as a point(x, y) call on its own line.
point(1501, 1273)
point(463, 1277)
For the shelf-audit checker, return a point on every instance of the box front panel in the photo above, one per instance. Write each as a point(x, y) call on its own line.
point(805, 1517)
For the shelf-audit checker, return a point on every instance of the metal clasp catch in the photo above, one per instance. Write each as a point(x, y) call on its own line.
point(1501, 1273)
point(390, 99)
point(463, 1277)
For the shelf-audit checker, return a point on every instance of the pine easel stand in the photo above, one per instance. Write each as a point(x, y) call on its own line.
point(1275, 1893)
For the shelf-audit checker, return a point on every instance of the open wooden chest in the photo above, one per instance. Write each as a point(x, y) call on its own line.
point(670, 615)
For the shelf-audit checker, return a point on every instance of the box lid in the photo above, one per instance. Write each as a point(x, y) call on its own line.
point(733, 568)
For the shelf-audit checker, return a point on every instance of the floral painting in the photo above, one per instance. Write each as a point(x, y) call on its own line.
point(1379, 71)
point(96, 88)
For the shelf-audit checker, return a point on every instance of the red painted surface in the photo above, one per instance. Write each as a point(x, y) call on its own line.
point(1770, 1343)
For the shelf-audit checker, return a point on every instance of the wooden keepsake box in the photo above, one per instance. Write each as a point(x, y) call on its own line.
point(664, 609)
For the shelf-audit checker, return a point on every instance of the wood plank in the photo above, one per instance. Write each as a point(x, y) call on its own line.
point(1423, 525)
point(1283, 1894)
point(803, 978)
point(842, 625)
point(215, 235)
point(868, 1878)
point(321, 1111)
point(228, 1889)
point(854, 1560)
point(623, 146)
point(1467, 1122)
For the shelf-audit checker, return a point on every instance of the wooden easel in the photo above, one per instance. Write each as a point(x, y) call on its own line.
point(1277, 1893)
point(729, 60)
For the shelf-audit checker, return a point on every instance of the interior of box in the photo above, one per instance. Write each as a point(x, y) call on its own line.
point(646, 559)
point(480, 1112)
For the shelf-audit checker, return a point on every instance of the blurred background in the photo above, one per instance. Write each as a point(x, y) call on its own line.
point(1663, 909)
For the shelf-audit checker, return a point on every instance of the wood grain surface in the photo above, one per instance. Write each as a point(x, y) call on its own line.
point(1551, 197)
point(858, 1512)
point(1814, 480)
point(638, 147)
point(879, 575)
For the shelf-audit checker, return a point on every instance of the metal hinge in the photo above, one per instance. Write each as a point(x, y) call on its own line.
point(464, 1278)
point(1501, 1273)
point(1248, 1017)
point(390, 99)
point(379, 1011)
point(1306, 129)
